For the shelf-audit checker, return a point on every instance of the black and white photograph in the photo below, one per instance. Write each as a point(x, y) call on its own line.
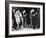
point(25, 18)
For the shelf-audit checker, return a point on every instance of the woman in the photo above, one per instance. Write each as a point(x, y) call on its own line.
point(34, 13)
point(18, 17)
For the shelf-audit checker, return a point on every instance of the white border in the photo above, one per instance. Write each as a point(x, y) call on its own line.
point(30, 31)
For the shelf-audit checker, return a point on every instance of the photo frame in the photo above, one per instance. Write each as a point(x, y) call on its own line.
point(32, 15)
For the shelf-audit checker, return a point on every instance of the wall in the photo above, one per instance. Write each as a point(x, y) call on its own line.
point(2, 18)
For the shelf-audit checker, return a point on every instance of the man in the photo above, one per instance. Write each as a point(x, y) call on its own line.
point(24, 18)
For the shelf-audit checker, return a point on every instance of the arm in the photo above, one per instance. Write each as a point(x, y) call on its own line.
point(35, 13)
